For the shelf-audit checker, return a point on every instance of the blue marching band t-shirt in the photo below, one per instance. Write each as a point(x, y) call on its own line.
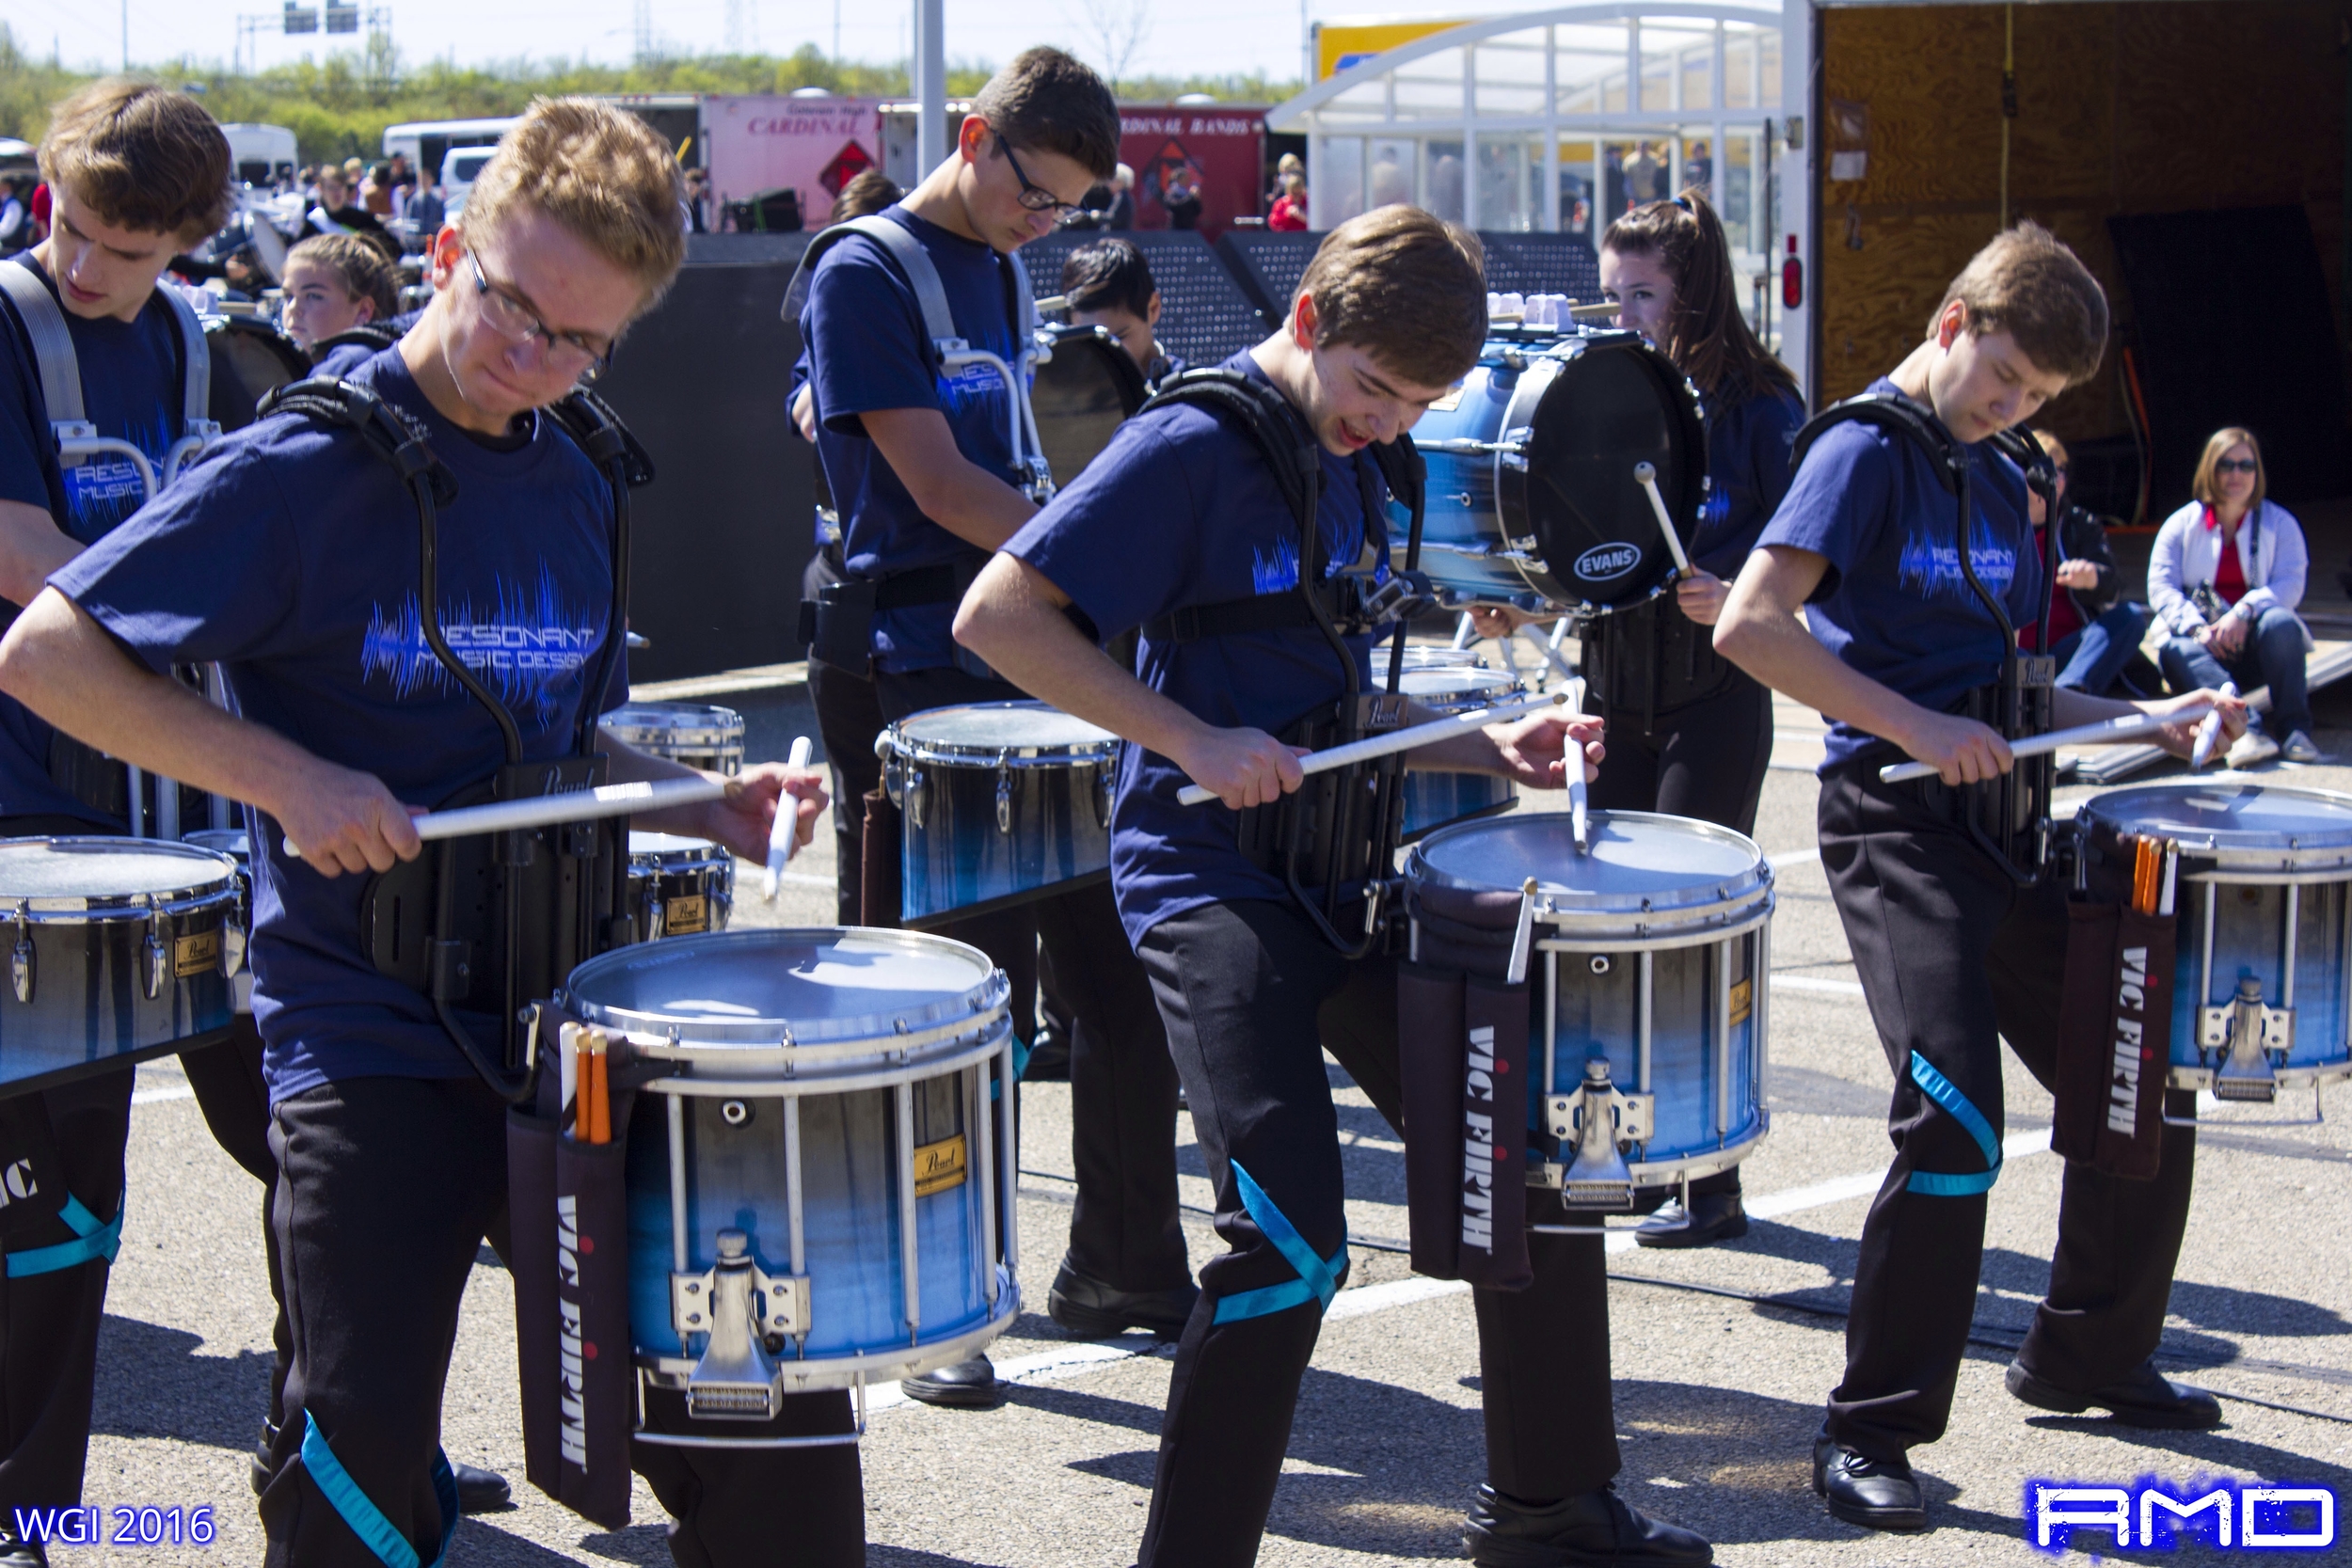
point(1747, 471)
point(869, 350)
point(1894, 604)
point(1179, 510)
point(289, 553)
point(133, 389)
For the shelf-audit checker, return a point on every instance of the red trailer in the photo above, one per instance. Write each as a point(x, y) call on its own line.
point(1221, 146)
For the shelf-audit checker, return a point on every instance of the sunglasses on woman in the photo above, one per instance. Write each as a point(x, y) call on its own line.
point(2236, 466)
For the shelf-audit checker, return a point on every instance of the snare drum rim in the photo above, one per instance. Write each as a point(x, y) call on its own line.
point(711, 858)
point(192, 898)
point(933, 753)
point(756, 1044)
point(1629, 920)
point(694, 725)
point(2322, 856)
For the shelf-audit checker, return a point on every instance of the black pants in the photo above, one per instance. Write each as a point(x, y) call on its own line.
point(848, 716)
point(386, 1188)
point(234, 1097)
point(1252, 996)
point(1954, 957)
point(1123, 1229)
point(1705, 760)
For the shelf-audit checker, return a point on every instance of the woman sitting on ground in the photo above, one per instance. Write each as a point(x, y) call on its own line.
point(2227, 574)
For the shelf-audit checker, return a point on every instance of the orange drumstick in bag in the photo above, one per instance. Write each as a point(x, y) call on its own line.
point(600, 1104)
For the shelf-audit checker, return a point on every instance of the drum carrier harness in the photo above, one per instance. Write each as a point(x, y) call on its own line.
point(484, 925)
point(2008, 818)
point(1333, 841)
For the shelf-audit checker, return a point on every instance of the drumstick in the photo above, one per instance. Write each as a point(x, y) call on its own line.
point(1576, 807)
point(1645, 475)
point(600, 1104)
point(2104, 733)
point(2209, 732)
point(540, 811)
point(1405, 739)
point(784, 834)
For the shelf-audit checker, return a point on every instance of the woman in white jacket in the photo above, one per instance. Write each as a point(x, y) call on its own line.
point(2227, 574)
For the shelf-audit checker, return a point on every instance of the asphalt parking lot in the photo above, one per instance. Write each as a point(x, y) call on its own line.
point(1721, 1357)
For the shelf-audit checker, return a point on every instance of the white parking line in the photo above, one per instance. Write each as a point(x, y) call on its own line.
point(1813, 983)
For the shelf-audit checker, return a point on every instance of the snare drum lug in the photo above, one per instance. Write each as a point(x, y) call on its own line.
point(1004, 794)
point(158, 961)
point(21, 958)
point(1106, 791)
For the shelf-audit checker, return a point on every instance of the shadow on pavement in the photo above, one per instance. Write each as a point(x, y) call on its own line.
point(152, 1382)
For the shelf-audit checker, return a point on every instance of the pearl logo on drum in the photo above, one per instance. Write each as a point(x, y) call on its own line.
point(1606, 563)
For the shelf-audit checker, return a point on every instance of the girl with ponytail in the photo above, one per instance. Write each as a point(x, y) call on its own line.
point(1689, 733)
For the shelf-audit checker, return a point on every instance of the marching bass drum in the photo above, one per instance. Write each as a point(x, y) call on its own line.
point(264, 357)
point(1085, 387)
point(1532, 499)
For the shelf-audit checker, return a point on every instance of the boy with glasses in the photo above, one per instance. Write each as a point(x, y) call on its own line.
point(392, 1153)
point(919, 460)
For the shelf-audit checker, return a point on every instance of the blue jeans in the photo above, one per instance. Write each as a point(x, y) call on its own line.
point(2091, 657)
point(2271, 655)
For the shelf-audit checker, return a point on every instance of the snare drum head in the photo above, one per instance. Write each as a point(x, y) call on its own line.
point(105, 869)
point(659, 848)
point(1081, 395)
point(1612, 402)
point(753, 986)
point(1639, 860)
point(986, 729)
point(222, 841)
point(2226, 814)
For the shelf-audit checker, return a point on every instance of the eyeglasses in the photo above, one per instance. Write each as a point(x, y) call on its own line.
point(2236, 466)
point(1036, 197)
point(513, 320)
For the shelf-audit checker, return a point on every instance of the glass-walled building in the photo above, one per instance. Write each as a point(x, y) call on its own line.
point(1558, 120)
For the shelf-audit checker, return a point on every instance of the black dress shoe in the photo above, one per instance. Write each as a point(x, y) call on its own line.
point(967, 1385)
point(1714, 1217)
point(16, 1552)
point(480, 1491)
point(1092, 1310)
point(1881, 1494)
point(2145, 1399)
point(1589, 1530)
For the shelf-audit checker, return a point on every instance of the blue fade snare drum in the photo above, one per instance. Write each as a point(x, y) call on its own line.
point(233, 843)
point(817, 1186)
point(118, 949)
point(696, 733)
point(679, 887)
point(999, 803)
point(1647, 1025)
point(1532, 499)
point(1434, 799)
point(2262, 987)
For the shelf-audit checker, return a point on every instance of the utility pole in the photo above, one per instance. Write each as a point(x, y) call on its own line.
point(931, 87)
point(126, 36)
point(644, 31)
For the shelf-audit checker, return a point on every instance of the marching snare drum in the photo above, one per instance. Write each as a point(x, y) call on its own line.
point(1434, 799)
point(696, 733)
point(1646, 993)
point(679, 887)
point(2262, 989)
point(118, 949)
point(1084, 388)
point(1532, 499)
point(816, 1187)
point(999, 803)
point(1421, 656)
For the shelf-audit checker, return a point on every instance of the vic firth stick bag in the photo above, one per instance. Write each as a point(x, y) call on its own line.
point(2114, 1046)
point(1494, 1135)
point(1429, 1067)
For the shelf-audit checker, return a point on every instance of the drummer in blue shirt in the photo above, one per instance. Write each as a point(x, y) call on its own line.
point(1956, 946)
point(391, 1151)
point(919, 461)
point(1179, 526)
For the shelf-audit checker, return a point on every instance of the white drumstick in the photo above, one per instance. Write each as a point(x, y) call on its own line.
point(542, 811)
point(2105, 733)
point(1577, 810)
point(1405, 739)
point(784, 834)
point(2209, 732)
point(1645, 475)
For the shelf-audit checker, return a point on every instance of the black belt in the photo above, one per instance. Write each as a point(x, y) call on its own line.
point(942, 584)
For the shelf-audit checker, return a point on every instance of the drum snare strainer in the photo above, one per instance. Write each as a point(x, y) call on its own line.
point(818, 1189)
point(1653, 952)
point(2263, 998)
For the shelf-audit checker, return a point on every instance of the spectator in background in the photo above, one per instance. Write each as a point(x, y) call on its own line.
point(1698, 168)
point(403, 181)
point(1182, 196)
point(375, 191)
point(1445, 188)
point(1390, 184)
point(868, 193)
point(2227, 573)
point(2093, 629)
point(1121, 213)
point(335, 214)
point(1290, 208)
point(335, 282)
point(425, 211)
point(40, 213)
point(16, 219)
point(1644, 176)
point(1284, 166)
point(1109, 284)
point(698, 201)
